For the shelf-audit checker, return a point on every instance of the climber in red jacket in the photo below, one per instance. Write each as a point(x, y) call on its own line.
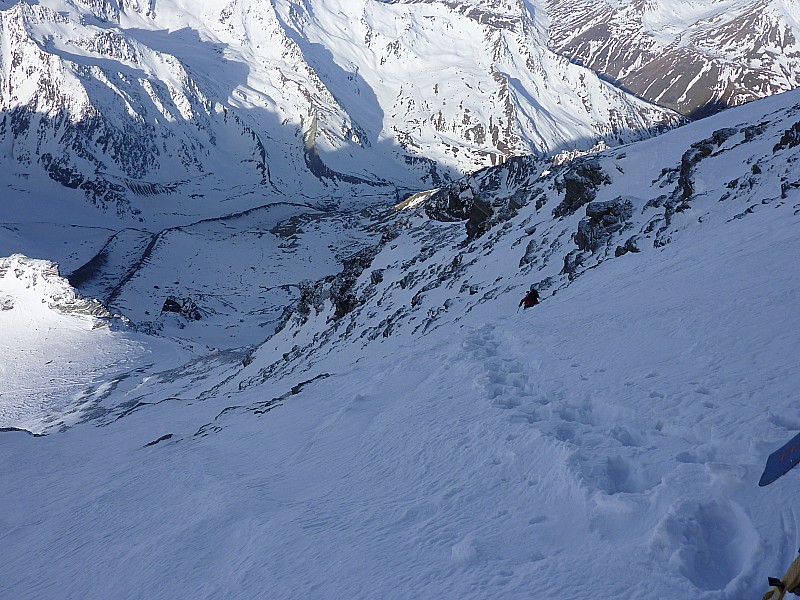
point(530, 299)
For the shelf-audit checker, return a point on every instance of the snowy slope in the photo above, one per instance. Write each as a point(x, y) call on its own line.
point(237, 273)
point(551, 223)
point(694, 57)
point(408, 433)
point(58, 349)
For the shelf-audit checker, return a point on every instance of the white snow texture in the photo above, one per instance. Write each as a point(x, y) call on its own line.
point(283, 396)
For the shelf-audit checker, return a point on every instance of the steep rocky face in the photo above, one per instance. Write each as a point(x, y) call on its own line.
point(579, 183)
point(693, 57)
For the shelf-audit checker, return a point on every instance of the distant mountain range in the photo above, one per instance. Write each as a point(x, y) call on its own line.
point(126, 101)
point(693, 57)
point(148, 110)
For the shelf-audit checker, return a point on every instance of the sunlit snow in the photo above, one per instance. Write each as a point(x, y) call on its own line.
point(434, 441)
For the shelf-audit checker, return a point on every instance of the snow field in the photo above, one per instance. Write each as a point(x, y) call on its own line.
point(56, 359)
point(606, 443)
point(49, 361)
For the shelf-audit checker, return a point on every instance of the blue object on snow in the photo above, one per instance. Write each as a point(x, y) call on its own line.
point(781, 461)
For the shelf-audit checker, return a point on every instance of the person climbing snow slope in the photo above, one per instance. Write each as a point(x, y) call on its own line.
point(530, 299)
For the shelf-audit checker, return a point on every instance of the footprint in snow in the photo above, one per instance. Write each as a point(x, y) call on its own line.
point(615, 474)
point(707, 542)
point(466, 551)
point(784, 421)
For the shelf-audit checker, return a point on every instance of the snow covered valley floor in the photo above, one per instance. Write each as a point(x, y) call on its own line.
point(435, 442)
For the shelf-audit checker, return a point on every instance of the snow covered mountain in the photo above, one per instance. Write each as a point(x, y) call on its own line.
point(547, 222)
point(150, 108)
point(693, 57)
point(265, 370)
point(405, 432)
point(466, 83)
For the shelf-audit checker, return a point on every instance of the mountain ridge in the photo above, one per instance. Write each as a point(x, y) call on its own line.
point(254, 98)
point(693, 58)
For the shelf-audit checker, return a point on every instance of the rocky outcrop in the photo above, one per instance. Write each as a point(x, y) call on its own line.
point(452, 203)
point(697, 152)
point(632, 244)
point(603, 220)
point(475, 200)
point(789, 139)
point(339, 288)
point(31, 278)
point(579, 183)
point(186, 307)
point(461, 201)
point(572, 262)
point(479, 218)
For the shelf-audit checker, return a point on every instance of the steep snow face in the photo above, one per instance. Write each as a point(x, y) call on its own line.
point(410, 432)
point(549, 222)
point(694, 57)
point(149, 108)
point(622, 424)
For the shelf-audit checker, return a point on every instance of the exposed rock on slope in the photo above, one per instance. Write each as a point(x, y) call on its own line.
point(603, 219)
point(633, 199)
point(28, 280)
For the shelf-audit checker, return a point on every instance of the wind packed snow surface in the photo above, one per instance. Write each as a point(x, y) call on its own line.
point(409, 434)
